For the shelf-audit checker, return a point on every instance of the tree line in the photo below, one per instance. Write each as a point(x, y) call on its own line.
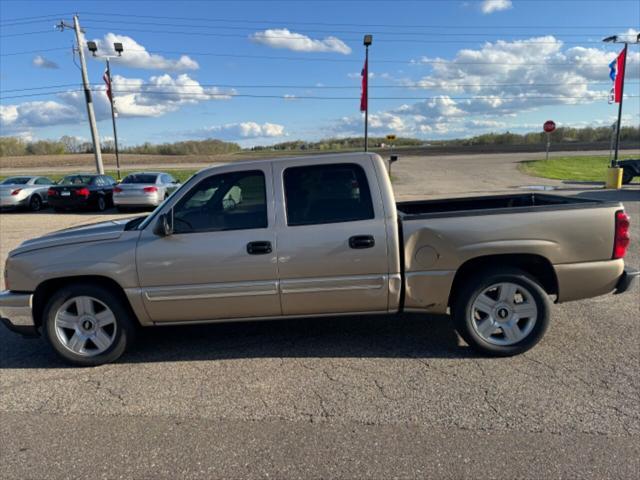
point(14, 146)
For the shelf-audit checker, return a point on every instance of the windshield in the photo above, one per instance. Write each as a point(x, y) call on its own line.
point(140, 178)
point(76, 180)
point(15, 181)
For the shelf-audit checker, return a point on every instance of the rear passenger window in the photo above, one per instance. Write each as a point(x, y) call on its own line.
point(327, 194)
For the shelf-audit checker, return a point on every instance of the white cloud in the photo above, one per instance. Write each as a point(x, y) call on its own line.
point(42, 62)
point(283, 38)
point(490, 6)
point(242, 131)
point(136, 55)
point(134, 97)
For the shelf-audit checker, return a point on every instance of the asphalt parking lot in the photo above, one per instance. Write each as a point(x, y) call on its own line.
point(380, 397)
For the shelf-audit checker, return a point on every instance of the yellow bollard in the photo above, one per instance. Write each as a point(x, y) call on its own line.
point(614, 178)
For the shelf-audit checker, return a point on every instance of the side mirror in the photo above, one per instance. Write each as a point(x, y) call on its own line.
point(164, 224)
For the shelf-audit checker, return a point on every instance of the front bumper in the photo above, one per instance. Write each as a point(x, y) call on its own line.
point(626, 280)
point(15, 312)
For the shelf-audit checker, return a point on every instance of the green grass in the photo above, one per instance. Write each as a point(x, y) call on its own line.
point(179, 174)
point(588, 169)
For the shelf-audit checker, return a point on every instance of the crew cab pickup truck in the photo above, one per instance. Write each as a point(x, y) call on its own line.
point(315, 236)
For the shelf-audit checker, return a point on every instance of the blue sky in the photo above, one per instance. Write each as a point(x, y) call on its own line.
point(239, 70)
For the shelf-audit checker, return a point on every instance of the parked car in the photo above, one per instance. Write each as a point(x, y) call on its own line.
point(316, 236)
point(24, 192)
point(143, 189)
point(82, 190)
point(630, 169)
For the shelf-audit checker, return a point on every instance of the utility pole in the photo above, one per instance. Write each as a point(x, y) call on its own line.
point(87, 92)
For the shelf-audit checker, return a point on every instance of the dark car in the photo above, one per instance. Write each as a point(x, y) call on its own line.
point(630, 169)
point(82, 190)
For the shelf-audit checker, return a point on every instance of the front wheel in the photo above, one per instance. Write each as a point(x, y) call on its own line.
point(501, 312)
point(101, 204)
point(87, 325)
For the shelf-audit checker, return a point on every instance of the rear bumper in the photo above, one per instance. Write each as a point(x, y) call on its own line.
point(13, 201)
point(137, 201)
point(58, 202)
point(15, 312)
point(626, 280)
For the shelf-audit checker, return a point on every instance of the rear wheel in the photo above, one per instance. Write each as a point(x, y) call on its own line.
point(502, 312)
point(627, 176)
point(101, 204)
point(35, 204)
point(87, 325)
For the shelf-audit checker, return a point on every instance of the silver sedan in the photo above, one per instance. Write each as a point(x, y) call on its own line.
point(143, 189)
point(24, 192)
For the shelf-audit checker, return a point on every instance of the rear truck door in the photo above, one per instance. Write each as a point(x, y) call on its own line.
point(332, 246)
point(220, 261)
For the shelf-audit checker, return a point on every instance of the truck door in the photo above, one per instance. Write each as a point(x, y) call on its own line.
point(220, 261)
point(332, 247)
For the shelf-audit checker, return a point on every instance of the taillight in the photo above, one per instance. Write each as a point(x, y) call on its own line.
point(150, 189)
point(16, 191)
point(117, 189)
point(51, 192)
point(621, 241)
point(83, 192)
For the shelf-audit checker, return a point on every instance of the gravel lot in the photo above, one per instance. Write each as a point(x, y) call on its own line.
point(396, 396)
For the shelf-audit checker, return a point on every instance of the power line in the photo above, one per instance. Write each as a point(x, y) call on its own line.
point(290, 38)
point(409, 86)
point(28, 52)
point(20, 34)
point(332, 31)
point(224, 95)
point(331, 24)
point(18, 19)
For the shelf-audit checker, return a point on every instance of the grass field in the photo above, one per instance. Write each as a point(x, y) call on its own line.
point(588, 169)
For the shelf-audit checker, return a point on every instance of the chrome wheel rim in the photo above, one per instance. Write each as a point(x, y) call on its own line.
point(504, 313)
point(85, 326)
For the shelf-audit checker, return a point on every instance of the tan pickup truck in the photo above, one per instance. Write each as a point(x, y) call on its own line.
point(315, 236)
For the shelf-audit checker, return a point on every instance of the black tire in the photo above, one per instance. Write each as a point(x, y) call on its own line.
point(627, 176)
point(101, 203)
point(124, 332)
point(35, 204)
point(467, 293)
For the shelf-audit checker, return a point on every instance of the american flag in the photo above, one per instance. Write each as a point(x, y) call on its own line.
point(107, 82)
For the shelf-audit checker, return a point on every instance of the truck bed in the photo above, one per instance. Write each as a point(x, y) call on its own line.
point(487, 205)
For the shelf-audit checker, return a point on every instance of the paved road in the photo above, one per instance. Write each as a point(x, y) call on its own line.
point(343, 397)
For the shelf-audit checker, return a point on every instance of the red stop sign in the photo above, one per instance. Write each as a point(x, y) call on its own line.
point(549, 126)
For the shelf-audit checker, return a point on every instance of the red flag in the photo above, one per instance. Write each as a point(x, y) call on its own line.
point(107, 82)
point(365, 80)
point(617, 85)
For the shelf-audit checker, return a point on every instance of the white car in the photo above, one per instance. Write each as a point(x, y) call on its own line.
point(24, 192)
point(143, 189)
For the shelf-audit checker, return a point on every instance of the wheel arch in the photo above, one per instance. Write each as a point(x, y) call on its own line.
point(539, 267)
point(45, 289)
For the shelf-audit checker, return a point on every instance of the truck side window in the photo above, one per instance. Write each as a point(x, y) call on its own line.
point(327, 194)
point(229, 201)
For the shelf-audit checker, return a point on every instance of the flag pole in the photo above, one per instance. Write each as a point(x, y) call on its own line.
point(368, 39)
point(614, 162)
point(113, 120)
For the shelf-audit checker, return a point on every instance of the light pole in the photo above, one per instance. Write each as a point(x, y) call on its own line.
point(368, 40)
point(93, 48)
point(620, 71)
